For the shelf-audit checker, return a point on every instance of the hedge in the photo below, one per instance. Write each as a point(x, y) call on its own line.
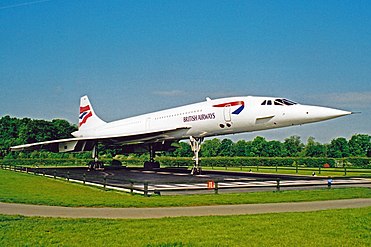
point(206, 161)
point(254, 161)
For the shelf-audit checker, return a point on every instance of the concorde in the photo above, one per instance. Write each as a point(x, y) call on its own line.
point(158, 131)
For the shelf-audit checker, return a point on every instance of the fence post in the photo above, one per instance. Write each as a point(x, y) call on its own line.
point(278, 184)
point(241, 168)
point(345, 171)
point(104, 182)
point(257, 167)
point(319, 170)
point(68, 175)
point(216, 187)
point(43, 172)
point(131, 187)
point(84, 178)
point(55, 173)
point(276, 168)
point(145, 188)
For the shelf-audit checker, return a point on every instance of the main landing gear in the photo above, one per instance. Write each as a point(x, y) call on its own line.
point(95, 164)
point(151, 164)
point(195, 143)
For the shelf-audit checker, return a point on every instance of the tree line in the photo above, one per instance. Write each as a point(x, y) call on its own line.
point(359, 145)
point(16, 131)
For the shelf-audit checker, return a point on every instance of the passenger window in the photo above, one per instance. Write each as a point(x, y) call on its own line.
point(264, 102)
point(269, 102)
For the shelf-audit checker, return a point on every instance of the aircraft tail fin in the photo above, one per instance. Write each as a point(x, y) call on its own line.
point(88, 119)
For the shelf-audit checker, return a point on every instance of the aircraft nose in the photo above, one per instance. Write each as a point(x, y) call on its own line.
point(318, 113)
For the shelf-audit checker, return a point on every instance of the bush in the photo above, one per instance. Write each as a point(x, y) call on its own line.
point(205, 161)
point(358, 162)
point(254, 161)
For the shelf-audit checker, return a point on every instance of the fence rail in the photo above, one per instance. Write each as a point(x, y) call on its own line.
point(146, 188)
point(297, 170)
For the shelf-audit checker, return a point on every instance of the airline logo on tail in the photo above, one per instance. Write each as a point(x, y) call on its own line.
point(85, 113)
point(234, 103)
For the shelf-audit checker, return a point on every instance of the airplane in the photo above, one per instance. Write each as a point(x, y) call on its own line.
point(158, 131)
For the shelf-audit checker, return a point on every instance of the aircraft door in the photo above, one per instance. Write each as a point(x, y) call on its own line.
point(148, 123)
point(227, 113)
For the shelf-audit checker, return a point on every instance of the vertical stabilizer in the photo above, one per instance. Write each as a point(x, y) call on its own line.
point(88, 119)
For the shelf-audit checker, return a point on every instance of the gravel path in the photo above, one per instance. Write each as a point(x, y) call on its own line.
point(142, 213)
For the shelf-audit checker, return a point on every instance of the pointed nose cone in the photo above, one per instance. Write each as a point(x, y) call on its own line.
point(334, 113)
point(317, 113)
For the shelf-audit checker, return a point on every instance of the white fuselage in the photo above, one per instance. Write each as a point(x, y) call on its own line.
point(218, 117)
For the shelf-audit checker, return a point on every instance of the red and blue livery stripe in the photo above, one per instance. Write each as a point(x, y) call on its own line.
point(85, 113)
point(234, 103)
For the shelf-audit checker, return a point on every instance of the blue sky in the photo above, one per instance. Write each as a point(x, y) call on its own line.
point(133, 57)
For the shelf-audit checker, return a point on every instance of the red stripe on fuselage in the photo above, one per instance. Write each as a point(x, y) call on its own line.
point(234, 103)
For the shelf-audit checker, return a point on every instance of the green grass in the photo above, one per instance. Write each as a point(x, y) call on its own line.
point(18, 187)
point(345, 227)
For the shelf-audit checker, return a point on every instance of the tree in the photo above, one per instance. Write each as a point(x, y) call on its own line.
point(36, 131)
point(8, 132)
point(14, 131)
point(293, 146)
point(359, 145)
point(184, 150)
point(274, 149)
point(338, 148)
point(225, 148)
point(258, 146)
point(314, 149)
point(210, 148)
point(62, 128)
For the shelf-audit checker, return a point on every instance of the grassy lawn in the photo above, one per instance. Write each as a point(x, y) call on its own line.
point(345, 227)
point(27, 188)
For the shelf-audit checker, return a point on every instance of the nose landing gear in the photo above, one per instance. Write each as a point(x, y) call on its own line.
point(196, 146)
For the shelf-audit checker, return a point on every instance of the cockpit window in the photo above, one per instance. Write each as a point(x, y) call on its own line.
point(281, 102)
point(288, 102)
point(278, 102)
